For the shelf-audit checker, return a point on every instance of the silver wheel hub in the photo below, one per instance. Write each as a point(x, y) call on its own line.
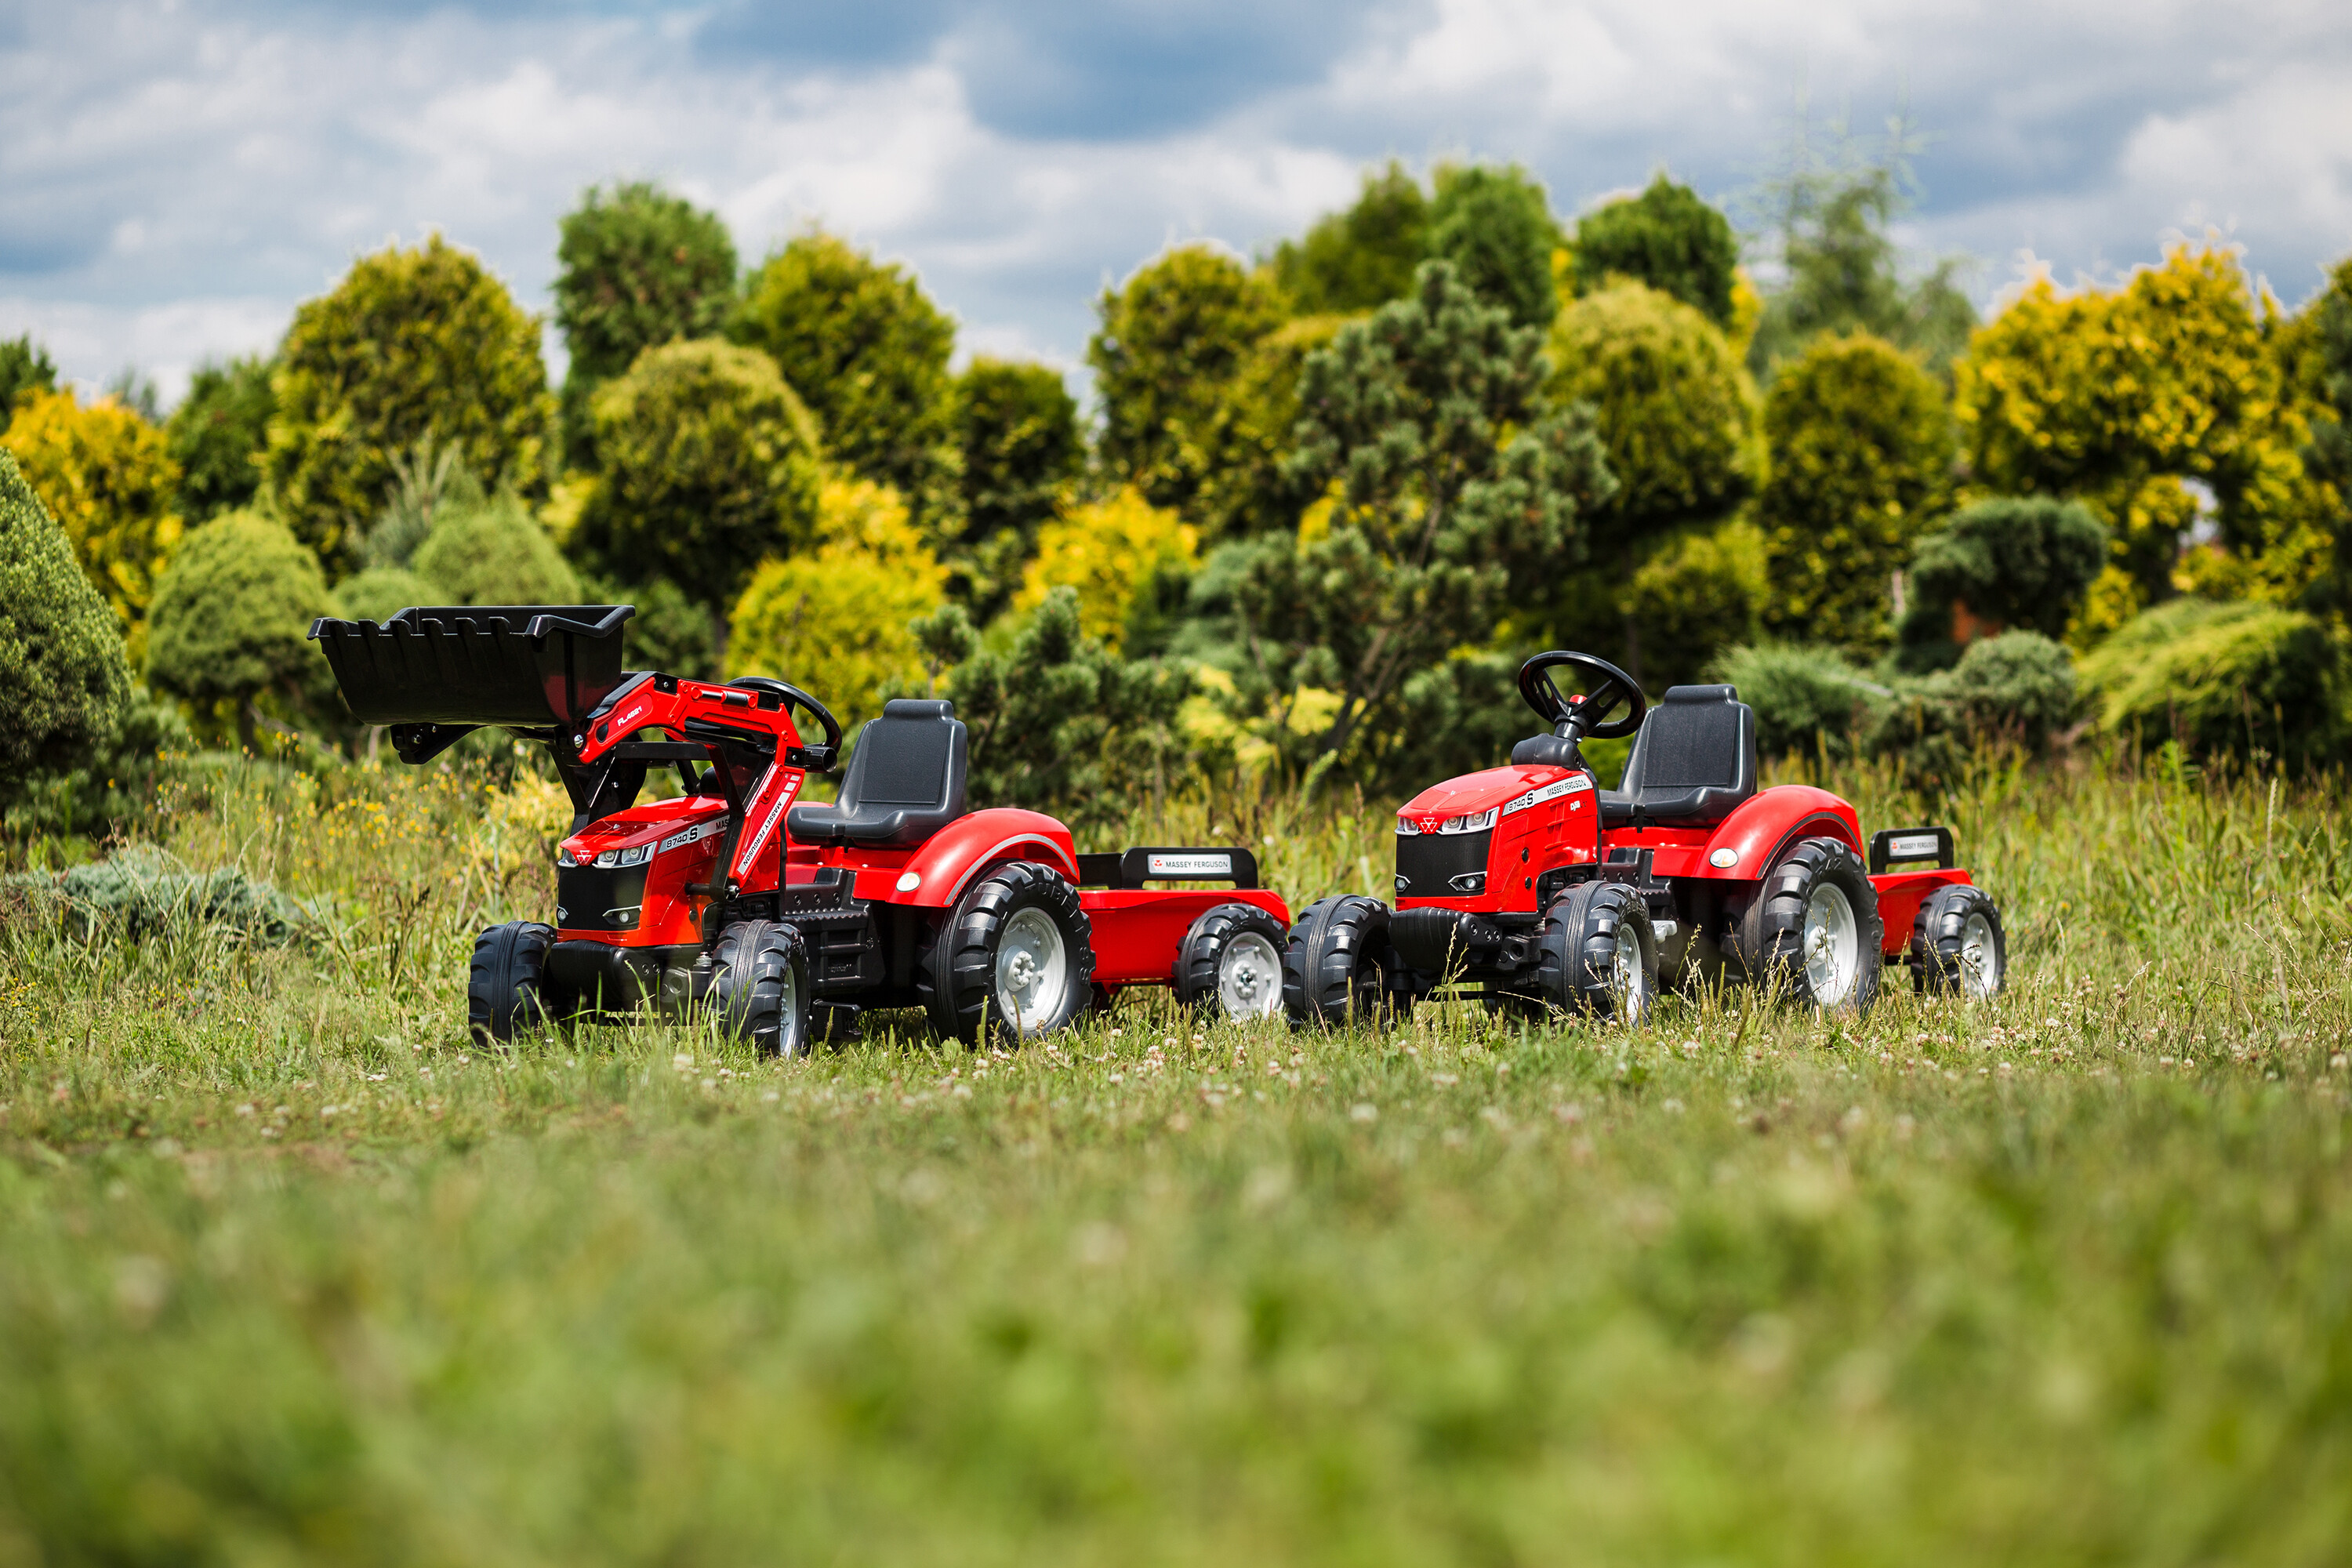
point(1980, 958)
point(787, 1013)
point(1629, 980)
point(1033, 969)
point(1249, 977)
point(1832, 942)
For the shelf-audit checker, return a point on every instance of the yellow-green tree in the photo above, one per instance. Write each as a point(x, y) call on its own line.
point(2114, 397)
point(107, 476)
point(836, 621)
point(1119, 555)
point(414, 343)
point(1862, 449)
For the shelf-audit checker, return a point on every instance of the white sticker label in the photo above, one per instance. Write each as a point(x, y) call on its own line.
point(694, 835)
point(751, 854)
point(1569, 785)
point(1911, 843)
point(1189, 865)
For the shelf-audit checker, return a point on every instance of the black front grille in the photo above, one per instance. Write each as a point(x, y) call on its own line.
point(589, 900)
point(1428, 863)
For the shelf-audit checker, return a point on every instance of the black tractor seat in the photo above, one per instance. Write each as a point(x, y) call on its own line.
point(1693, 763)
point(906, 781)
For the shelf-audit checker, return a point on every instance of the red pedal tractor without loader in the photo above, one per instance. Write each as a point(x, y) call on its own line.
point(1535, 889)
point(789, 919)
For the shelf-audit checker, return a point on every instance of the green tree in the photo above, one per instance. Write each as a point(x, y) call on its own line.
point(108, 478)
point(636, 268)
point(1826, 217)
point(1862, 449)
point(1496, 226)
point(494, 553)
point(1017, 426)
point(233, 617)
point(2326, 323)
point(61, 658)
point(413, 343)
point(1174, 341)
point(1999, 565)
point(1666, 238)
point(868, 352)
point(709, 465)
point(1450, 479)
point(1362, 259)
point(218, 433)
point(24, 368)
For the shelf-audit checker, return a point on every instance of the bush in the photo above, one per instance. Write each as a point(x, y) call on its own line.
point(494, 553)
point(2223, 678)
point(1704, 592)
point(1128, 559)
point(380, 593)
point(233, 617)
point(837, 621)
point(116, 788)
point(144, 892)
point(413, 343)
point(61, 659)
point(110, 483)
point(1998, 565)
point(709, 465)
point(2017, 689)
point(1803, 698)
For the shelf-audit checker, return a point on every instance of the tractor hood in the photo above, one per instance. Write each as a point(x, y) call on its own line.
point(654, 823)
point(1499, 790)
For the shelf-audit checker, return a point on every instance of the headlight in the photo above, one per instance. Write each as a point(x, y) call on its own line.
point(563, 857)
point(1405, 829)
point(1479, 824)
point(614, 859)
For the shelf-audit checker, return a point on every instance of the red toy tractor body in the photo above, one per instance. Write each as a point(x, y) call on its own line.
point(1535, 887)
point(789, 918)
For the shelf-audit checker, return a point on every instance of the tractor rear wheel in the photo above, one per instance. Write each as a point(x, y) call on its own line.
point(1957, 946)
point(508, 990)
point(1014, 960)
point(1813, 932)
point(1334, 969)
point(1598, 954)
point(760, 986)
point(1230, 962)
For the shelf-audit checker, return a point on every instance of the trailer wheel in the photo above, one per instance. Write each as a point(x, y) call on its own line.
point(1598, 954)
point(760, 986)
point(1232, 960)
point(1334, 967)
point(1957, 946)
point(1814, 931)
point(508, 990)
point(1014, 958)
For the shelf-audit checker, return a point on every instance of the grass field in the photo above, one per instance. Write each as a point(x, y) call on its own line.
point(289, 1273)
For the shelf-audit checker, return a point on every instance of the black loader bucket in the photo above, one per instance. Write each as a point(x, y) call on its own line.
point(521, 666)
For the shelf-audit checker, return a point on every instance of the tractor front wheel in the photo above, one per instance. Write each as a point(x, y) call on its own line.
point(1813, 932)
point(1334, 970)
point(1598, 954)
point(508, 990)
point(760, 986)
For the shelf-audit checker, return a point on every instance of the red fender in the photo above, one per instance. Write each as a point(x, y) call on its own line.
point(1746, 843)
point(935, 875)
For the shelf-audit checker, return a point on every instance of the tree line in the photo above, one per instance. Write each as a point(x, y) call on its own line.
point(1327, 501)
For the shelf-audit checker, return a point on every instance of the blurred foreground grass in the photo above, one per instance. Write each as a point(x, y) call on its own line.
point(288, 1272)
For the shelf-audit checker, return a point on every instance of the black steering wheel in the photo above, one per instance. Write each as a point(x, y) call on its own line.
point(793, 695)
point(1608, 689)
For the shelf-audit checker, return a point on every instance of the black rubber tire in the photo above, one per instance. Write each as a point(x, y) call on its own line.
point(1771, 934)
point(759, 987)
point(955, 972)
point(506, 990)
point(1202, 954)
point(1938, 934)
point(1335, 966)
point(1577, 950)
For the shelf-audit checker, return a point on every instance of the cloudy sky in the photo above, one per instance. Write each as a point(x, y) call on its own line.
point(175, 174)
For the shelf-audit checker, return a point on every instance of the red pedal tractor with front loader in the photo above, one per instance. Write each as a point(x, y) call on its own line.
point(786, 919)
point(1534, 888)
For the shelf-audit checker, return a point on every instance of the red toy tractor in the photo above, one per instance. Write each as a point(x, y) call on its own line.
point(789, 919)
point(1535, 889)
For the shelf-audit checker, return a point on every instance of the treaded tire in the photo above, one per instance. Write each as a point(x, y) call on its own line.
point(1941, 963)
point(507, 989)
point(1334, 968)
point(1201, 960)
point(1580, 948)
point(760, 986)
point(1772, 932)
point(956, 973)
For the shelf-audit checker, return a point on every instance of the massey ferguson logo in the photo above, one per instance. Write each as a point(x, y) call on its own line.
point(1428, 823)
